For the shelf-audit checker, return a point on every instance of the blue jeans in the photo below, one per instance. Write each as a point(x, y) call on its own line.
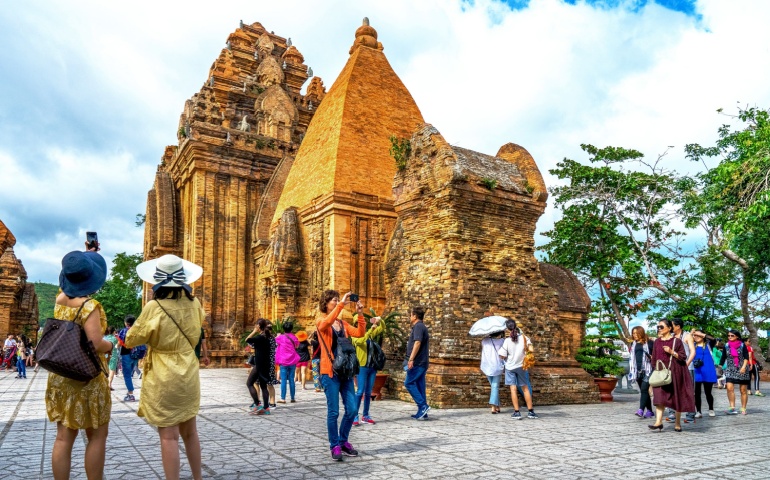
point(21, 367)
point(334, 388)
point(287, 375)
point(415, 385)
point(128, 364)
point(365, 384)
point(494, 394)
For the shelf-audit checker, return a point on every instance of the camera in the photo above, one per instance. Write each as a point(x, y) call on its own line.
point(353, 297)
point(92, 240)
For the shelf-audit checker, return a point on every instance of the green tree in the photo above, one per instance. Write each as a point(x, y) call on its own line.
point(46, 299)
point(615, 230)
point(120, 295)
point(731, 202)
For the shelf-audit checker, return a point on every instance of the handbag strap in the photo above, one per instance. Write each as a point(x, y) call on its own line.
point(90, 352)
point(177, 325)
point(77, 315)
point(671, 357)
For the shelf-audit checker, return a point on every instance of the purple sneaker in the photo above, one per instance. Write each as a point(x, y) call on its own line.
point(648, 414)
point(640, 413)
point(348, 450)
point(337, 453)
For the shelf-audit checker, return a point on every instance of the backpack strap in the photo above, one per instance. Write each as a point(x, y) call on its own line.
point(328, 353)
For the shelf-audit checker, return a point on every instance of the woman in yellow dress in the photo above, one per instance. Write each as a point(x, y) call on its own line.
point(72, 404)
point(170, 326)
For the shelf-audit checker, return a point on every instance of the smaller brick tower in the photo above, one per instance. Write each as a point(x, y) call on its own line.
point(463, 247)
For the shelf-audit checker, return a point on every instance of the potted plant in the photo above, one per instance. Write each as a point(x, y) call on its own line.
point(597, 357)
point(393, 341)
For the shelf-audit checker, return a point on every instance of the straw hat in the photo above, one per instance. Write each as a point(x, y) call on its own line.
point(82, 273)
point(169, 271)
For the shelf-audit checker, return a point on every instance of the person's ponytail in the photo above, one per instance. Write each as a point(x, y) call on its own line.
point(511, 325)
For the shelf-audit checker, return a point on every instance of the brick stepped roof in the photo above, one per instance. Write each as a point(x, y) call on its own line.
point(347, 147)
point(572, 295)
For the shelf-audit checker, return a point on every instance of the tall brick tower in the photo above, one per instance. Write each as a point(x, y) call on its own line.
point(247, 120)
point(335, 213)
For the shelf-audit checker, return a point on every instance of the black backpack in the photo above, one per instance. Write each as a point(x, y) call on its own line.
point(345, 361)
point(375, 355)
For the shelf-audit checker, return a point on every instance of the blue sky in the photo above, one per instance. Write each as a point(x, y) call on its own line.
point(93, 90)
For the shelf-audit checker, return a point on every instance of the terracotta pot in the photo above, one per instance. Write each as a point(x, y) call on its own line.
point(606, 386)
point(379, 381)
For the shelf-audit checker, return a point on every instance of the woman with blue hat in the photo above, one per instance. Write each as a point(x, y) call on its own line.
point(170, 326)
point(72, 404)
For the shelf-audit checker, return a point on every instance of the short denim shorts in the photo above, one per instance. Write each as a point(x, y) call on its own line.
point(516, 377)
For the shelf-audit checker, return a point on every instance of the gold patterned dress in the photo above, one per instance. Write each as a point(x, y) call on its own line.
point(78, 404)
point(171, 388)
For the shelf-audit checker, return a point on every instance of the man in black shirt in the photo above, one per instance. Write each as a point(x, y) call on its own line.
point(416, 362)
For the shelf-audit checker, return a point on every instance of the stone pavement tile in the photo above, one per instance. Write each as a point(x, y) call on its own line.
point(569, 441)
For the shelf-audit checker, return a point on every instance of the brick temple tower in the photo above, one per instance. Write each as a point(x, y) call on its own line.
point(244, 125)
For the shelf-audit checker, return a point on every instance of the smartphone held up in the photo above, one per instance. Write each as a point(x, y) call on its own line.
point(92, 241)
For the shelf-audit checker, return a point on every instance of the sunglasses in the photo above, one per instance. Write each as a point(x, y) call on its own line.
point(661, 327)
point(731, 335)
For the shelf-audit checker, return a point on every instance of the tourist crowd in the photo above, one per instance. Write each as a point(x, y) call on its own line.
point(672, 371)
point(691, 363)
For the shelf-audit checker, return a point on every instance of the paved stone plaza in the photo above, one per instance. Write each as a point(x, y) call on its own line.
point(576, 441)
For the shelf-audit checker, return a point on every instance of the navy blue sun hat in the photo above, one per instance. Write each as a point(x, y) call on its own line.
point(82, 273)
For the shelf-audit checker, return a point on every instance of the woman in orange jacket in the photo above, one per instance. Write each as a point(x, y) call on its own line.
point(334, 332)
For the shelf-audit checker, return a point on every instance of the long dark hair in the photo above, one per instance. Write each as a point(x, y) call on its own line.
point(171, 292)
point(264, 327)
point(511, 325)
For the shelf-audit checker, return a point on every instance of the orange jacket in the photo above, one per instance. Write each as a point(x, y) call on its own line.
point(324, 329)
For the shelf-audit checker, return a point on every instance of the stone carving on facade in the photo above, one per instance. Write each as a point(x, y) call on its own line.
point(269, 72)
point(275, 114)
point(244, 125)
point(264, 45)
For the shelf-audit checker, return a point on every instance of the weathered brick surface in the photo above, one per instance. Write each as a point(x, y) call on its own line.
point(464, 250)
point(18, 301)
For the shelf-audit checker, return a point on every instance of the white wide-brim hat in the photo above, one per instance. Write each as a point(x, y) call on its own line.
point(169, 264)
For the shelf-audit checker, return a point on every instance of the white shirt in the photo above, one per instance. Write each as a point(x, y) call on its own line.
point(10, 343)
point(513, 352)
point(491, 364)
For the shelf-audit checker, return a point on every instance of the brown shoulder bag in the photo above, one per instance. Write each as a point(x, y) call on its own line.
point(64, 349)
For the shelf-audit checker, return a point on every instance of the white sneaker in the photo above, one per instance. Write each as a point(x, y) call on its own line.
point(712, 413)
point(698, 415)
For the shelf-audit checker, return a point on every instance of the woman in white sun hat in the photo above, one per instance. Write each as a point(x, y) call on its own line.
point(170, 326)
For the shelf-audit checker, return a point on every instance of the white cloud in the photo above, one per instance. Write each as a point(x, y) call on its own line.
point(96, 88)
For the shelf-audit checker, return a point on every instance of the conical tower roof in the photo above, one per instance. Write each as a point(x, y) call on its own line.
point(347, 145)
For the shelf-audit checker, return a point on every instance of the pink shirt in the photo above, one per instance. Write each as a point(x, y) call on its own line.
point(286, 349)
